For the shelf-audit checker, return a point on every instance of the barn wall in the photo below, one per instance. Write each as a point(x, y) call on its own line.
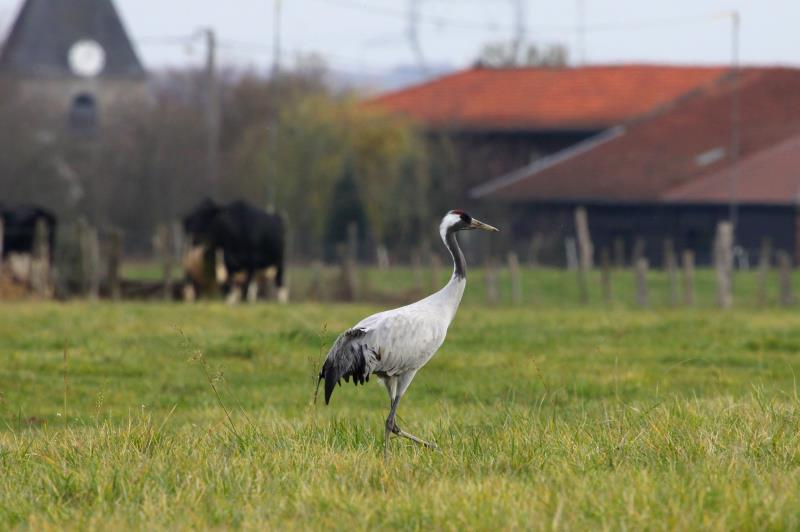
point(689, 226)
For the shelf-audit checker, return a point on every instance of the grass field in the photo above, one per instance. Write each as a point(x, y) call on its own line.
point(542, 288)
point(547, 418)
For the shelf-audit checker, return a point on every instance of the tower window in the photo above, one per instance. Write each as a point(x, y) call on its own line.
point(83, 113)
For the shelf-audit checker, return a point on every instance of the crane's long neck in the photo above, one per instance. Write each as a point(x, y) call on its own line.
point(459, 264)
point(449, 297)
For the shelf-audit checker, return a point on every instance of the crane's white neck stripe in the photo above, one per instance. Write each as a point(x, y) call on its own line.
point(447, 230)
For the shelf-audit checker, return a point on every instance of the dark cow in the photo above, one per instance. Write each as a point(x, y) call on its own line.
point(250, 239)
point(19, 227)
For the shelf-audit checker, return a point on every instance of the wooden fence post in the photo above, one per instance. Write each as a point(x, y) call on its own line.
point(585, 248)
point(165, 248)
point(764, 265)
point(115, 244)
point(516, 281)
point(638, 250)
point(178, 244)
point(537, 242)
point(785, 268)
point(723, 263)
point(178, 238)
point(490, 275)
point(688, 277)
point(605, 275)
point(90, 259)
point(315, 287)
point(80, 266)
point(642, 293)
point(40, 263)
point(619, 252)
point(571, 248)
point(382, 257)
point(585, 252)
point(671, 267)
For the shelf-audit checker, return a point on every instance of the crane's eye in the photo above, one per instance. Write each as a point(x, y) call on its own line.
point(466, 218)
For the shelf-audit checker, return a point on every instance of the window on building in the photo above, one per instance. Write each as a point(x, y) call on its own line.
point(83, 113)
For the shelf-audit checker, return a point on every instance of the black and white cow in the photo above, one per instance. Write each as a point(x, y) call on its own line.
point(250, 240)
point(19, 227)
point(19, 239)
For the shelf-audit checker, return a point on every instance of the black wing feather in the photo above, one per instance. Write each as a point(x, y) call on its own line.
point(346, 359)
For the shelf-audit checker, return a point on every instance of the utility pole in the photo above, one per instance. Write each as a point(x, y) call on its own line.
point(412, 33)
point(519, 29)
point(212, 112)
point(735, 124)
point(276, 36)
point(274, 121)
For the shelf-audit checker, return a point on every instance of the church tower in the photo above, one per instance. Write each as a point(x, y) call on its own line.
point(74, 60)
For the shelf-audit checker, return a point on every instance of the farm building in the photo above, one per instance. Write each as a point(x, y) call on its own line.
point(727, 149)
point(495, 120)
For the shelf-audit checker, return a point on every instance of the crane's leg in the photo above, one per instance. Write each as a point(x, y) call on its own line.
point(402, 385)
point(391, 387)
point(390, 427)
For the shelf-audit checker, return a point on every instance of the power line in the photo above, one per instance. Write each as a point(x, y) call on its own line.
point(267, 50)
point(469, 24)
point(166, 41)
point(436, 20)
point(351, 63)
point(645, 24)
point(261, 49)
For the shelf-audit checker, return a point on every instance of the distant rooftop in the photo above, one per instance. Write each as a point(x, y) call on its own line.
point(770, 176)
point(523, 99)
point(680, 153)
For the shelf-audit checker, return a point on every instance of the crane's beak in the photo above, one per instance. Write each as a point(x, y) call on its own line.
point(477, 224)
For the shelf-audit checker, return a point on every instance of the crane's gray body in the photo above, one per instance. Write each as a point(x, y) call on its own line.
point(396, 343)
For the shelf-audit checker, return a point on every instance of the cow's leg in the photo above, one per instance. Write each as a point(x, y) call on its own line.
point(234, 293)
point(189, 291)
point(264, 283)
point(252, 288)
point(280, 280)
point(238, 280)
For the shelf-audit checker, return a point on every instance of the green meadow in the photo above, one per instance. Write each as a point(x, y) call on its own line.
point(548, 415)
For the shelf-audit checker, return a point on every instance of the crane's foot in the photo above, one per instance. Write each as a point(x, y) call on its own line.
point(420, 441)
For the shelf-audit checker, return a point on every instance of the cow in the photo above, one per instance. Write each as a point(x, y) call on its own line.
point(19, 240)
point(19, 227)
point(249, 240)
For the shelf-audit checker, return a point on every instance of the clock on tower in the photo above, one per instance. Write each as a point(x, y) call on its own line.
point(87, 58)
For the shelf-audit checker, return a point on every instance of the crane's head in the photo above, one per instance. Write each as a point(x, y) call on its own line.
point(458, 220)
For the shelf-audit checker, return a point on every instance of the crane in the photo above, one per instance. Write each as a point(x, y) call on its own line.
point(393, 345)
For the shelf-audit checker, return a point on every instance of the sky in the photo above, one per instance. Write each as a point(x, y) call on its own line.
point(371, 36)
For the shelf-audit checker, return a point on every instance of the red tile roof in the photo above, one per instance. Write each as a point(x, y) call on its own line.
point(585, 98)
point(770, 176)
point(675, 149)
